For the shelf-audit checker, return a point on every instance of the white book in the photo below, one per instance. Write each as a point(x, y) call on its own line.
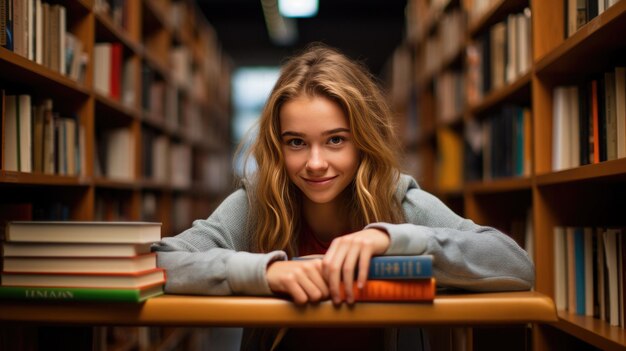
point(24, 109)
point(61, 34)
point(524, 43)
point(9, 152)
point(560, 268)
point(39, 32)
point(560, 129)
point(83, 232)
point(620, 110)
point(30, 33)
point(120, 160)
point(511, 46)
point(102, 68)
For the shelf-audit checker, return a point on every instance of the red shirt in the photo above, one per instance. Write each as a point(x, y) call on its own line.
point(328, 338)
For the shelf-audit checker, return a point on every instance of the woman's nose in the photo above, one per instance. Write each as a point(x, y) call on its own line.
point(316, 160)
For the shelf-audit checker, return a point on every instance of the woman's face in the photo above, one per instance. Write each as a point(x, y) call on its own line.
point(320, 156)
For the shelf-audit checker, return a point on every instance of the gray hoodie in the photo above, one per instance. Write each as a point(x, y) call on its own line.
point(212, 257)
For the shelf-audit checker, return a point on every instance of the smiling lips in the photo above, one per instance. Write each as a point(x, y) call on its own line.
point(319, 181)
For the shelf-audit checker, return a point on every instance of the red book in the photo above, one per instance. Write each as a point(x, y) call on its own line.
point(595, 120)
point(396, 290)
point(116, 70)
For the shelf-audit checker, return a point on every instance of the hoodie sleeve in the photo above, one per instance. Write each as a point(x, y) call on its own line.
point(466, 255)
point(210, 258)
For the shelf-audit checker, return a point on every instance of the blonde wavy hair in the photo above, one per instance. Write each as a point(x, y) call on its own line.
point(276, 202)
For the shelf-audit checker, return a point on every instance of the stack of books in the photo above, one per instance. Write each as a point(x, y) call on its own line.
point(396, 278)
point(88, 261)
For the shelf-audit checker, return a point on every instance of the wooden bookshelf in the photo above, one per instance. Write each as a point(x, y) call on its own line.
point(586, 195)
point(146, 33)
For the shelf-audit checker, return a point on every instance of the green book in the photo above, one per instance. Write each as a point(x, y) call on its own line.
point(80, 294)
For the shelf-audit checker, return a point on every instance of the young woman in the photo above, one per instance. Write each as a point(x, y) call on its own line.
point(327, 181)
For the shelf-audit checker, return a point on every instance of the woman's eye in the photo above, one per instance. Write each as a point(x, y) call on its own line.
point(295, 142)
point(336, 140)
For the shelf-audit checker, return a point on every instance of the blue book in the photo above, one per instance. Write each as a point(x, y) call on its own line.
point(395, 267)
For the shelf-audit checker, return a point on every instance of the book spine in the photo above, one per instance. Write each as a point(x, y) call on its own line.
point(399, 267)
point(390, 290)
point(69, 294)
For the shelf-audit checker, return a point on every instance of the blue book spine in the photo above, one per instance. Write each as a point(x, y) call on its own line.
point(401, 267)
point(579, 262)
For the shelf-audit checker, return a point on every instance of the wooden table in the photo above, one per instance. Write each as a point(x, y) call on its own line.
point(235, 311)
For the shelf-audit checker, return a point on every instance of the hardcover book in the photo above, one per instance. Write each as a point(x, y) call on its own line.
point(395, 267)
point(80, 294)
point(84, 280)
point(419, 290)
point(29, 249)
point(83, 232)
point(80, 264)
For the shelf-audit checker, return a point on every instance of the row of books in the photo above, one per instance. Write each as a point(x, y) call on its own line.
point(589, 272)
point(579, 12)
point(497, 146)
point(499, 56)
point(172, 108)
point(395, 278)
point(444, 45)
point(37, 139)
point(450, 95)
point(108, 261)
point(113, 76)
point(37, 30)
point(589, 121)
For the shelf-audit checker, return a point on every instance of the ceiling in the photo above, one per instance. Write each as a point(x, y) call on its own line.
point(367, 30)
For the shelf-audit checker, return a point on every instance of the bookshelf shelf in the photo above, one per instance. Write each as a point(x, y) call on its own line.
point(22, 71)
point(499, 185)
point(586, 50)
point(604, 171)
point(9, 177)
point(113, 109)
point(593, 331)
point(107, 183)
point(516, 92)
point(155, 15)
point(106, 30)
point(496, 13)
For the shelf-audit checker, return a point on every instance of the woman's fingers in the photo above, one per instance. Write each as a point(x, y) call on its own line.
point(302, 280)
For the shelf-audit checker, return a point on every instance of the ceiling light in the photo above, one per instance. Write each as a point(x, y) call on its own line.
point(298, 8)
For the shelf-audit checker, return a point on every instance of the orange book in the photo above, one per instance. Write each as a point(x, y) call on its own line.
point(395, 290)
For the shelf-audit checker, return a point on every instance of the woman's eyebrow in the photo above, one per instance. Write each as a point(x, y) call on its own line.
point(332, 131)
point(336, 130)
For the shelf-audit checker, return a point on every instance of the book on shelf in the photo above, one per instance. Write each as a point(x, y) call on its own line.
point(589, 272)
point(418, 290)
point(84, 280)
point(80, 264)
point(80, 294)
point(394, 267)
point(17, 133)
point(32, 249)
point(83, 232)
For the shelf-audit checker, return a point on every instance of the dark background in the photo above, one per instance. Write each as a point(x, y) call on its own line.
point(366, 30)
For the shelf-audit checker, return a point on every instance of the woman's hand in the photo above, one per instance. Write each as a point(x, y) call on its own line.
point(302, 279)
point(343, 256)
